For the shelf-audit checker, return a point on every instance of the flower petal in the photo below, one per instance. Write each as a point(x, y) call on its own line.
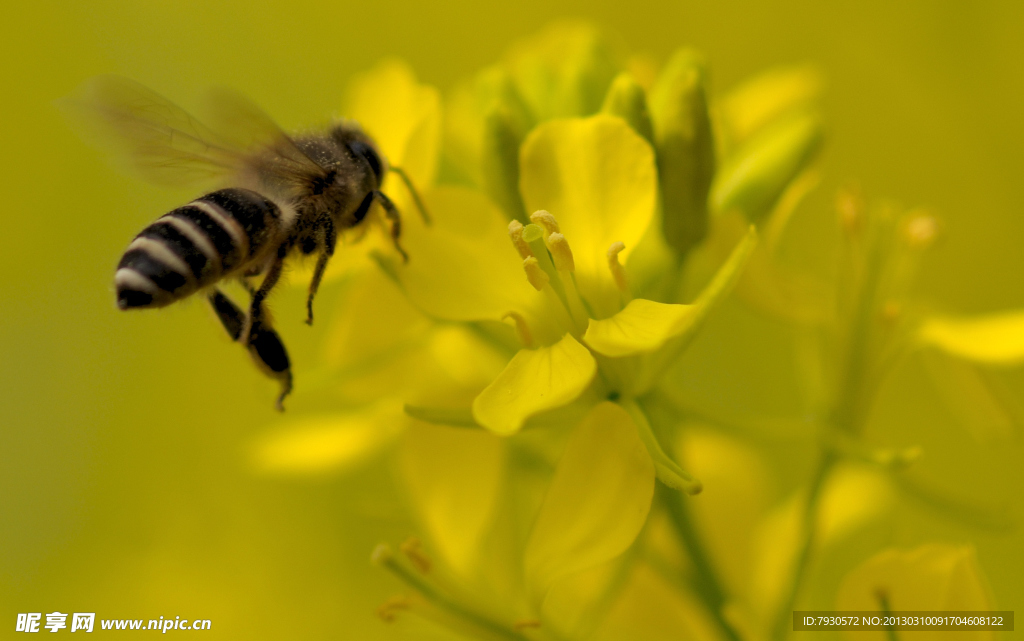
point(328, 443)
point(643, 326)
point(932, 577)
point(996, 339)
point(757, 174)
point(597, 177)
point(767, 97)
point(402, 116)
point(535, 380)
point(464, 267)
point(597, 502)
point(979, 401)
point(564, 70)
point(454, 477)
point(736, 497)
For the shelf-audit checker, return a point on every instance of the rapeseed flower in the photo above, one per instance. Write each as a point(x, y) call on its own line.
point(587, 214)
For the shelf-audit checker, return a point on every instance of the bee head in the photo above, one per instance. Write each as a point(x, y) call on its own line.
point(362, 148)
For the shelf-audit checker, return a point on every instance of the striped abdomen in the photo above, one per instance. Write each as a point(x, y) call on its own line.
point(195, 246)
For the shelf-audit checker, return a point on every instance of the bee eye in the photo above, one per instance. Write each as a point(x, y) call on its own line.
point(361, 149)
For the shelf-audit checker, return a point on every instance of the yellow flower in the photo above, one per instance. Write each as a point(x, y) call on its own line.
point(933, 577)
point(544, 304)
point(560, 280)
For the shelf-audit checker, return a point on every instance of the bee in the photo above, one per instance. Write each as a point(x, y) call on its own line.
point(278, 196)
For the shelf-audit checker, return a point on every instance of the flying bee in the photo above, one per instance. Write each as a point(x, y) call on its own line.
point(278, 196)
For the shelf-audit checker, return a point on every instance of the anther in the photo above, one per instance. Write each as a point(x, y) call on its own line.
point(522, 329)
point(618, 273)
point(515, 232)
point(388, 612)
point(560, 253)
point(381, 554)
point(891, 312)
point(534, 273)
point(921, 230)
point(413, 550)
point(545, 220)
point(850, 208)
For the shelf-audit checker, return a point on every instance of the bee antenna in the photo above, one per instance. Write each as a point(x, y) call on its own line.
point(415, 194)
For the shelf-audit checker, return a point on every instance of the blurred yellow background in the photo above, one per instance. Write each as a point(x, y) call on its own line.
point(125, 486)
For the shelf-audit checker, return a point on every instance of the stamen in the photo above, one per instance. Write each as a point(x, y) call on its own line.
point(534, 236)
point(436, 596)
point(850, 207)
point(389, 610)
point(535, 274)
point(515, 232)
point(921, 230)
point(545, 220)
point(560, 253)
point(381, 554)
point(618, 273)
point(413, 550)
point(522, 329)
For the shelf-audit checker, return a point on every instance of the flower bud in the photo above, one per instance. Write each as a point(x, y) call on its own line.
point(686, 149)
point(564, 71)
point(756, 175)
point(499, 160)
point(626, 100)
point(589, 69)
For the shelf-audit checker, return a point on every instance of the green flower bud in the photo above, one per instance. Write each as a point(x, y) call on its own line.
point(686, 149)
point(588, 73)
point(565, 70)
point(507, 120)
point(756, 175)
point(500, 161)
point(626, 100)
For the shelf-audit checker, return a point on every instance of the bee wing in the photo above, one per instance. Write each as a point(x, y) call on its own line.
point(268, 149)
point(169, 146)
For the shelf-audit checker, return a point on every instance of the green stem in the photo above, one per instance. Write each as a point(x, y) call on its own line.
point(667, 470)
point(851, 407)
point(883, 602)
point(810, 516)
point(704, 582)
point(386, 558)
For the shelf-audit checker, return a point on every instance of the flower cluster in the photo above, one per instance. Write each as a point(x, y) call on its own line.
point(587, 215)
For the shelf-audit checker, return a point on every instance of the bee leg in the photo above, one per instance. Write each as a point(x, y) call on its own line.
point(395, 219)
point(327, 238)
point(231, 317)
point(271, 357)
point(264, 344)
point(256, 311)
